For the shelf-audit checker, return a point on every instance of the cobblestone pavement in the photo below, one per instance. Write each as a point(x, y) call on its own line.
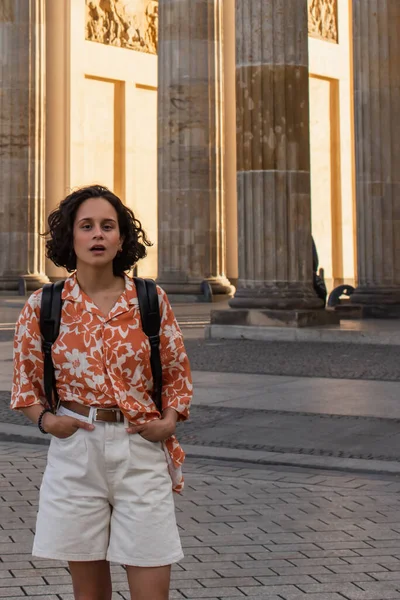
point(296, 359)
point(267, 533)
point(295, 433)
point(368, 438)
point(303, 359)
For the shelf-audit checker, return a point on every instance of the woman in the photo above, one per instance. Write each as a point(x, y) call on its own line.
point(113, 460)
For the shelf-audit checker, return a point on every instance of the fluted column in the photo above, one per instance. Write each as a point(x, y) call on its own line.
point(22, 77)
point(191, 242)
point(377, 110)
point(274, 211)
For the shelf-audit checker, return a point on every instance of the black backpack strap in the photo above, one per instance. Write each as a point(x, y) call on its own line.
point(50, 317)
point(151, 324)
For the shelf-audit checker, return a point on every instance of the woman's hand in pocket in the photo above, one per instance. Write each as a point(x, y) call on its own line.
point(158, 430)
point(62, 426)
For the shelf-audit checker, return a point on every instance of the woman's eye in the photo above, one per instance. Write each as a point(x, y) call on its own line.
point(87, 226)
point(107, 227)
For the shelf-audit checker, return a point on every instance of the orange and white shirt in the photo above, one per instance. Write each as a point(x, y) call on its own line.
point(102, 360)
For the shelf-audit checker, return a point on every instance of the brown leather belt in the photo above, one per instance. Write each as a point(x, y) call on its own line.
point(108, 415)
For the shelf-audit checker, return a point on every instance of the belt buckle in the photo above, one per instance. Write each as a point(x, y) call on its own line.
point(120, 417)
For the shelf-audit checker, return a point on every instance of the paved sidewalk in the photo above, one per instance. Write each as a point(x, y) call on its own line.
point(347, 419)
point(317, 359)
point(329, 423)
point(266, 533)
point(338, 361)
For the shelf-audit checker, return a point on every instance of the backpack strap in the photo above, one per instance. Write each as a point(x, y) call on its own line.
point(151, 324)
point(50, 317)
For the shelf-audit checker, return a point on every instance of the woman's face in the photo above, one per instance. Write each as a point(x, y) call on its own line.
point(97, 237)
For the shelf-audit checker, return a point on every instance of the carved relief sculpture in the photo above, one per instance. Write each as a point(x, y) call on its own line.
point(131, 24)
point(323, 19)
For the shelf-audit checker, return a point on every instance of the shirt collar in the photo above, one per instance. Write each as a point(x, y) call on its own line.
point(130, 290)
point(73, 293)
point(71, 290)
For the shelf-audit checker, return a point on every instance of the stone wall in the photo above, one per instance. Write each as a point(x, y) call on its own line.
point(332, 151)
point(101, 105)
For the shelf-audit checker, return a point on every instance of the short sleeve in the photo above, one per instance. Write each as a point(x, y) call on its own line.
point(177, 380)
point(27, 387)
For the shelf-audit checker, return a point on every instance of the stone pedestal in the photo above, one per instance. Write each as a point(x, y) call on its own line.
point(191, 212)
point(22, 76)
point(274, 209)
point(377, 124)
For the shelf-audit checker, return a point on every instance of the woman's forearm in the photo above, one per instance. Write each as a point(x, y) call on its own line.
point(32, 412)
point(170, 415)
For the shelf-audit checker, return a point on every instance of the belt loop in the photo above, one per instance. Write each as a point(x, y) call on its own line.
point(92, 414)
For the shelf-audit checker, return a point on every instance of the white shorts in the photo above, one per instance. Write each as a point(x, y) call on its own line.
point(107, 495)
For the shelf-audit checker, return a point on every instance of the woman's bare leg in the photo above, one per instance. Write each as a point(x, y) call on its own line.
point(149, 582)
point(91, 580)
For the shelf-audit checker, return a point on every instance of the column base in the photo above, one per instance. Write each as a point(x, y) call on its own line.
point(285, 296)
point(11, 282)
point(377, 303)
point(212, 289)
point(348, 311)
point(274, 318)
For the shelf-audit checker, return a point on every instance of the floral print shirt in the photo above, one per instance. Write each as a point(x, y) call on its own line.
point(105, 360)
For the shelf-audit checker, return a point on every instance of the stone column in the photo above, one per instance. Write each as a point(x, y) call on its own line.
point(191, 246)
point(273, 162)
point(377, 124)
point(22, 76)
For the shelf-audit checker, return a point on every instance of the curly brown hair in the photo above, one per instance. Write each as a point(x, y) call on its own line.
point(60, 245)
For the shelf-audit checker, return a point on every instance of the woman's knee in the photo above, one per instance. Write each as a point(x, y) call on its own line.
point(91, 580)
point(149, 582)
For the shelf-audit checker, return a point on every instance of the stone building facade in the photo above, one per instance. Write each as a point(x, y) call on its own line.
point(234, 129)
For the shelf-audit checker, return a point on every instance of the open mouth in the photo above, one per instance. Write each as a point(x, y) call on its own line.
point(98, 248)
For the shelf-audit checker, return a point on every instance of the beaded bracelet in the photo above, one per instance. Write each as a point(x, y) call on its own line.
point(39, 423)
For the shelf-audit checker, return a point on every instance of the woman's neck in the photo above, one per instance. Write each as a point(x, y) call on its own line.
point(93, 281)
